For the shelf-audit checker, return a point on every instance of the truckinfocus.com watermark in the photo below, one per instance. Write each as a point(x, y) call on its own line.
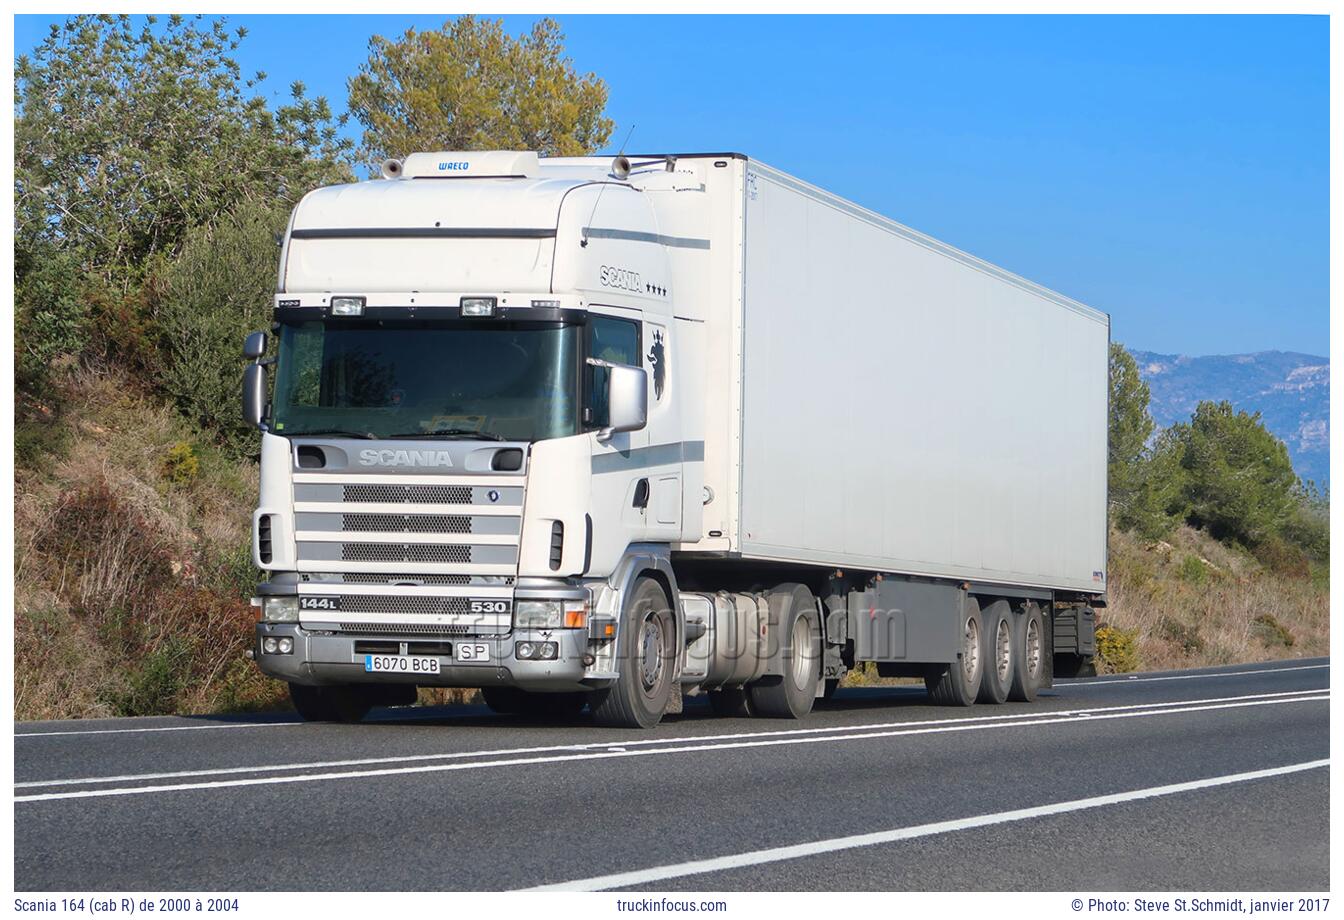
point(668, 905)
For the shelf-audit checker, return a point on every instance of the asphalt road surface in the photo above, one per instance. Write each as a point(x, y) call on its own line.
point(1203, 780)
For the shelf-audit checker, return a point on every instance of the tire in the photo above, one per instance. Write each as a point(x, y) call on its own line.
point(1000, 653)
point(731, 702)
point(1028, 655)
point(647, 655)
point(958, 683)
point(794, 619)
point(513, 701)
point(329, 704)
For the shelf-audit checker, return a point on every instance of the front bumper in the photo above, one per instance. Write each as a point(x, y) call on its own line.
point(323, 656)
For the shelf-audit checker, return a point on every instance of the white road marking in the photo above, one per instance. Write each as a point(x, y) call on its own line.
point(641, 742)
point(163, 728)
point(779, 854)
point(1072, 684)
point(605, 755)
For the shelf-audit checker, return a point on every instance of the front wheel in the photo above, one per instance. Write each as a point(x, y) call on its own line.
point(647, 654)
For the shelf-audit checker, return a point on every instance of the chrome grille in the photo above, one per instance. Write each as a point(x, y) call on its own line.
point(405, 552)
point(389, 603)
point(414, 629)
point(438, 495)
point(407, 523)
point(377, 578)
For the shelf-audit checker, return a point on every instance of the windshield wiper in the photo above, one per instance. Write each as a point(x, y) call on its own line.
point(332, 431)
point(449, 434)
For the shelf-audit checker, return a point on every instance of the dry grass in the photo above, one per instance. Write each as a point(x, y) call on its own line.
point(1194, 602)
point(131, 573)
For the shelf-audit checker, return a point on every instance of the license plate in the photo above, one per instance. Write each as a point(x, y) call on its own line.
point(401, 664)
point(472, 651)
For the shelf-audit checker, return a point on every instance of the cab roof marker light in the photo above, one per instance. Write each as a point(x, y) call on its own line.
point(551, 304)
point(347, 306)
point(478, 306)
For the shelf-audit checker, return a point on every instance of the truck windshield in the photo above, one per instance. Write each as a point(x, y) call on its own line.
point(384, 378)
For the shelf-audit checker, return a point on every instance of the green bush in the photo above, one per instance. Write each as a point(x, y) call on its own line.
point(180, 464)
point(1185, 635)
point(1270, 631)
point(217, 291)
point(1194, 570)
point(1118, 649)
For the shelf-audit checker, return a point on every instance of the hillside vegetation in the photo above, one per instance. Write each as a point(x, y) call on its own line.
point(135, 478)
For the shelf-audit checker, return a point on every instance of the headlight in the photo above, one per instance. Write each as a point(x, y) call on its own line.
point(280, 610)
point(537, 614)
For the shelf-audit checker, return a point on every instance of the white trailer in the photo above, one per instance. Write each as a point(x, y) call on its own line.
point(595, 432)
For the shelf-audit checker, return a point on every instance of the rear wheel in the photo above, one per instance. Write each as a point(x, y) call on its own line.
point(1029, 661)
point(340, 703)
point(958, 683)
point(639, 697)
point(793, 615)
point(999, 653)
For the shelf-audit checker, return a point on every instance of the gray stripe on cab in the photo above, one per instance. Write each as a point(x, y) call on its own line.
point(654, 455)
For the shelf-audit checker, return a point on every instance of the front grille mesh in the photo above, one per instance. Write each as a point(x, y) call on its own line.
point(377, 578)
point(415, 629)
point(389, 603)
point(405, 552)
point(437, 495)
point(407, 523)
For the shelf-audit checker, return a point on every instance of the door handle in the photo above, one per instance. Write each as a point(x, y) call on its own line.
point(641, 494)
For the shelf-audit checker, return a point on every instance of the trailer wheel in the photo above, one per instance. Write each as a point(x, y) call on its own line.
point(793, 617)
point(1029, 660)
point(329, 704)
point(731, 702)
point(515, 702)
point(647, 655)
point(1000, 653)
point(958, 683)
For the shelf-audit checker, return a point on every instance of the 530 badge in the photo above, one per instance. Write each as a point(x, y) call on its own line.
point(489, 606)
point(320, 602)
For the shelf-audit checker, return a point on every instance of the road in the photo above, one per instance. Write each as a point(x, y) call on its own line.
point(1208, 780)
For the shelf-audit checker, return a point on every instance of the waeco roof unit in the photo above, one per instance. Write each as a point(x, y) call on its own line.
point(455, 164)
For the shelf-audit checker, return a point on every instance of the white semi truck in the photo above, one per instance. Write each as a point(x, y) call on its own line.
point(611, 432)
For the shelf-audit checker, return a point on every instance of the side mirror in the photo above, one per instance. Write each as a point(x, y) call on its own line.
point(254, 394)
point(254, 346)
point(627, 398)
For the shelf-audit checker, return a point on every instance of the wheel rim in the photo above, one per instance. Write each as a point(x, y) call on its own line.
point(1003, 647)
point(1033, 647)
point(970, 652)
point(651, 653)
point(802, 648)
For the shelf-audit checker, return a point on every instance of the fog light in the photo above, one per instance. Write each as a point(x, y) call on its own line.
point(269, 645)
point(347, 306)
point(524, 650)
point(286, 646)
point(548, 651)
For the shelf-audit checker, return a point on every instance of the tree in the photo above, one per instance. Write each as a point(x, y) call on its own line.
point(125, 138)
point(469, 86)
point(1144, 478)
point(1240, 483)
point(214, 292)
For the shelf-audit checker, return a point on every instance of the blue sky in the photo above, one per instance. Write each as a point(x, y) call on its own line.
point(1172, 171)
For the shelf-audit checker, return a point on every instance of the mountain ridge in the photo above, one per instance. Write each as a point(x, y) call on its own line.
point(1290, 390)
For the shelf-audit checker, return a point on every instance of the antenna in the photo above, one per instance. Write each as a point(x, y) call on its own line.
point(619, 165)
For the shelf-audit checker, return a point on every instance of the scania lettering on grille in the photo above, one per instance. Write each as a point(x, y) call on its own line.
point(372, 457)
